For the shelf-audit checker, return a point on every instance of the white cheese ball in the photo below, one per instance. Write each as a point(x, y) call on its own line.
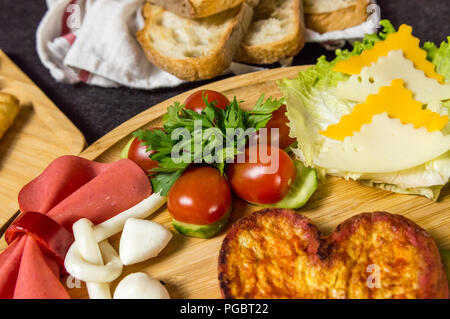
point(142, 240)
point(139, 285)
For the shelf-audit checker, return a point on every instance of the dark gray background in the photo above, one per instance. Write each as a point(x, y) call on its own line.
point(96, 111)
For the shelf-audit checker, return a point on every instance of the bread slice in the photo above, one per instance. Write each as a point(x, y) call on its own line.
point(338, 20)
point(196, 8)
point(276, 32)
point(193, 49)
point(323, 6)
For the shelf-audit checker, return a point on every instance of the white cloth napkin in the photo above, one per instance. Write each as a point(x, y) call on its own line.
point(93, 41)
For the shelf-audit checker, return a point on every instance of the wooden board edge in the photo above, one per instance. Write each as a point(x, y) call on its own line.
point(49, 113)
point(107, 141)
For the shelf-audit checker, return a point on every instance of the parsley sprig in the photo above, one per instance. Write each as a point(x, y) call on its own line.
point(202, 138)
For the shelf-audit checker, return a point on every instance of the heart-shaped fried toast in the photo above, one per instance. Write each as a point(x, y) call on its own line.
point(278, 253)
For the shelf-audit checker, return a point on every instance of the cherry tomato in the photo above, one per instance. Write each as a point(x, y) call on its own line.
point(279, 120)
point(195, 101)
point(138, 153)
point(259, 182)
point(200, 196)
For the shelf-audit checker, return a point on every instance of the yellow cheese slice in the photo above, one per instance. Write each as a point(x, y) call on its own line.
point(384, 145)
point(400, 40)
point(382, 72)
point(396, 101)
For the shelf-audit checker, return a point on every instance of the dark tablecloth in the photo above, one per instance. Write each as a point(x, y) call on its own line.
point(96, 111)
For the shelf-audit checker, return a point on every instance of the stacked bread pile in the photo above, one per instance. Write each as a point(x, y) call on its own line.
point(198, 39)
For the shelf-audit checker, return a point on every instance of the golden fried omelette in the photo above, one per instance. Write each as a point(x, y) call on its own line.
point(278, 253)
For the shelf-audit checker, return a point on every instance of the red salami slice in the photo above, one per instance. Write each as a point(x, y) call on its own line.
point(38, 275)
point(9, 267)
point(54, 239)
point(60, 179)
point(120, 186)
point(70, 188)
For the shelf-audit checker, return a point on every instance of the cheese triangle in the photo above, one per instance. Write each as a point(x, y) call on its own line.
point(400, 40)
point(397, 102)
point(382, 72)
point(384, 145)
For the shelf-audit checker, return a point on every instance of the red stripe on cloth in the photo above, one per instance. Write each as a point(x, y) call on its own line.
point(67, 33)
point(84, 75)
point(70, 37)
point(64, 27)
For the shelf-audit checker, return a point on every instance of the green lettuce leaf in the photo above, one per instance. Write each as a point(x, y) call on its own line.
point(311, 110)
point(426, 180)
point(440, 57)
point(322, 76)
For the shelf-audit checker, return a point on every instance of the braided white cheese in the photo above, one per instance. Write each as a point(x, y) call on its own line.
point(92, 259)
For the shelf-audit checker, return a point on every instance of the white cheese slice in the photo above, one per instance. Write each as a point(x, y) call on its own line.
point(140, 286)
point(143, 209)
point(388, 68)
point(385, 145)
point(142, 240)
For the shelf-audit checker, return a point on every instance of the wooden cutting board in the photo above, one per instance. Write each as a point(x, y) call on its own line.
point(188, 266)
point(40, 133)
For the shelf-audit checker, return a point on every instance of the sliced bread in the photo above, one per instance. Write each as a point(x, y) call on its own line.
point(276, 32)
point(196, 8)
point(193, 49)
point(323, 6)
point(340, 19)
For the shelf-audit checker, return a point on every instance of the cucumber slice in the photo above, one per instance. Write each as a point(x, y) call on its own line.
point(126, 149)
point(304, 186)
point(201, 231)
